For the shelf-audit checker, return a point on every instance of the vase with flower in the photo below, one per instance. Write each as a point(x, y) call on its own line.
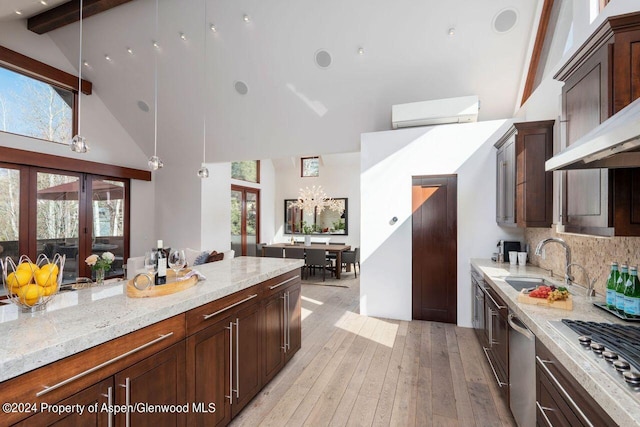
point(100, 264)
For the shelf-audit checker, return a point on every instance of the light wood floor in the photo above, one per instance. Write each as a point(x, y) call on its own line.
point(362, 371)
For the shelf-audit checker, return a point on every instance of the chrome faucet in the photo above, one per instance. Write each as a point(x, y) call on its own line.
point(567, 253)
point(590, 284)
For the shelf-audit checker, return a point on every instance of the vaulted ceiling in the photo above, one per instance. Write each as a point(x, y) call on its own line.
point(382, 53)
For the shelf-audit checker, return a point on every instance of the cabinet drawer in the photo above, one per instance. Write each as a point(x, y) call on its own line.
point(63, 378)
point(555, 380)
point(279, 283)
point(208, 314)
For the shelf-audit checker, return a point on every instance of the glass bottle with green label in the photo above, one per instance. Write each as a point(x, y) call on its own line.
point(632, 294)
point(620, 287)
point(614, 274)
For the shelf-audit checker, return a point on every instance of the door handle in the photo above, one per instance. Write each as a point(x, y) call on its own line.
point(230, 396)
point(237, 358)
point(109, 397)
point(288, 321)
point(127, 401)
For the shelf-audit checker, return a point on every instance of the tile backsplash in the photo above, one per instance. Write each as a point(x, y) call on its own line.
point(594, 253)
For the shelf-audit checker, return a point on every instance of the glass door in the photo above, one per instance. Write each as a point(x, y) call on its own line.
point(58, 220)
point(11, 212)
point(108, 211)
point(245, 220)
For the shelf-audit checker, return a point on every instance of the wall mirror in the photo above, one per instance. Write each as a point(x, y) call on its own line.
point(325, 222)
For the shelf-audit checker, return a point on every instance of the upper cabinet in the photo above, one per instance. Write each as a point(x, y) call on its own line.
point(600, 79)
point(523, 188)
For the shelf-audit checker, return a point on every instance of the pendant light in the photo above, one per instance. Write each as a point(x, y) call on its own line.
point(154, 161)
point(79, 143)
point(203, 172)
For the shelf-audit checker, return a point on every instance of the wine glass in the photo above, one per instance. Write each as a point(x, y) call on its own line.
point(177, 260)
point(150, 262)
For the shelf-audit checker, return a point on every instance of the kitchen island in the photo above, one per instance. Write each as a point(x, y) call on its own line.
point(235, 330)
point(617, 400)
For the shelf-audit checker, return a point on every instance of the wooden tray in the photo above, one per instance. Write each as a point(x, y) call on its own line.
point(171, 287)
point(564, 305)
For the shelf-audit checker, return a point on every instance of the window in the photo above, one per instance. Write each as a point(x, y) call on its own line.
point(310, 166)
point(245, 220)
point(247, 170)
point(34, 108)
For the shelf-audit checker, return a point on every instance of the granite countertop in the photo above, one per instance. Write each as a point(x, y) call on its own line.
point(615, 399)
point(77, 320)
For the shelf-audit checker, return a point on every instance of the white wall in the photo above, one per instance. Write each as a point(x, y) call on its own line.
point(109, 142)
point(339, 177)
point(389, 160)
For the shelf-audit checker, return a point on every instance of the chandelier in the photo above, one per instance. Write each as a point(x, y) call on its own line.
point(314, 199)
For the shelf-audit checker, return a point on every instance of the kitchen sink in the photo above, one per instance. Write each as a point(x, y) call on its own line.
point(521, 282)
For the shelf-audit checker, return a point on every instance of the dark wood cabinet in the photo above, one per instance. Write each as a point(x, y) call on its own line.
point(282, 327)
point(96, 394)
point(209, 375)
point(524, 189)
point(600, 79)
point(560, 399)
point(247, 352)
point(157, 380)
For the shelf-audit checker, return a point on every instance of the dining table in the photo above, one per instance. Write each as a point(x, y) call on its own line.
point(331, 248)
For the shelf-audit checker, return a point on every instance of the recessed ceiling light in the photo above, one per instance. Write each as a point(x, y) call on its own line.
point(156, 45)
point(323, 58)
point(43, 2)
point(213, 28)
point(183, 36)
point(241, 87)
point(130, 51)
point(85, 63)
point(246, 18)
point(107, 57)
point(18, 12)
point(360, 51)
point(452, 31)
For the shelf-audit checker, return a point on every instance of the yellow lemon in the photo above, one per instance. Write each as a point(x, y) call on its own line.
point(30, 294)
point(50, 267)
point(45, 278)
point(49, 290)
point(29, 266)
point(19, 278)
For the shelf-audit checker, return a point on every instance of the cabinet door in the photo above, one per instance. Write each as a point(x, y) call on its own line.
point(247, 364)
point(208, 374)
point(551, 409)
point(506, 183)
point(273, 336)
point(96, 394)
point(295, 321)
point(156, 380)
point(586, 200)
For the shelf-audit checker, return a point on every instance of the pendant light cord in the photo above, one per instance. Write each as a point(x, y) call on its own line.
point(80, 71)
point(204, 86)
point(155, 90)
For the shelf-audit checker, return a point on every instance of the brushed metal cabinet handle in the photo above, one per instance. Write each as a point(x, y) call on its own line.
point(230, 396)
point(237, 358)
point(127, 401)
point(235, 304)
point(495, 374)
point(48, 389)
point(543, 410)
point(110, 414)
point(284, 282)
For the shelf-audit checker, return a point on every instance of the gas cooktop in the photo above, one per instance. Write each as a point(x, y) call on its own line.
point(614, 348)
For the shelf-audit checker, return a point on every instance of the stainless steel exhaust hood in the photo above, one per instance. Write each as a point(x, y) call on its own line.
point(613, 144)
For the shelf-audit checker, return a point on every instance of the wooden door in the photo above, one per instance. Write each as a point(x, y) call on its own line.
point(208, 374)
point(245, 220)
point(273, 336)
point(95, 394)
point(434, 254)
point(247, 350)
point(156, 380)
point(295, 321)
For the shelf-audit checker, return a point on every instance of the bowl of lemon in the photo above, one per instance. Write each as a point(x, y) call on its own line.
point(31, 285)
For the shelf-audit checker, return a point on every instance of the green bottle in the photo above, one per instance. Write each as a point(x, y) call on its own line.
point(632, 295)
point(612, 280)
point(620, 286)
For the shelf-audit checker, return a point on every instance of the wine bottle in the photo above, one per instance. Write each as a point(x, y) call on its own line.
point(614, 274)
point(632, 295)
point(620, 286)
point(161, 265)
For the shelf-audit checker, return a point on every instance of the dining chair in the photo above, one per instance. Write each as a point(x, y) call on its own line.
point(317, 258)
point(259, 247)
point(272, 252)
point(351, 257)
point(295, 253)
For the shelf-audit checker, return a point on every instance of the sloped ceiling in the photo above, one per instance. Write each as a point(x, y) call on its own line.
point(293, 107)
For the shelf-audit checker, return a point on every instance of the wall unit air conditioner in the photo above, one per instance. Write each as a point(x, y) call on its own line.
point(437, 112)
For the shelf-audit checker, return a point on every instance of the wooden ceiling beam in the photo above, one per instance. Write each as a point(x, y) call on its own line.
point(537, 50)
point(68, 13)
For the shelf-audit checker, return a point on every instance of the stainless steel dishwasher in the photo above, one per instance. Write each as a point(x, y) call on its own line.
point(522, 372)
